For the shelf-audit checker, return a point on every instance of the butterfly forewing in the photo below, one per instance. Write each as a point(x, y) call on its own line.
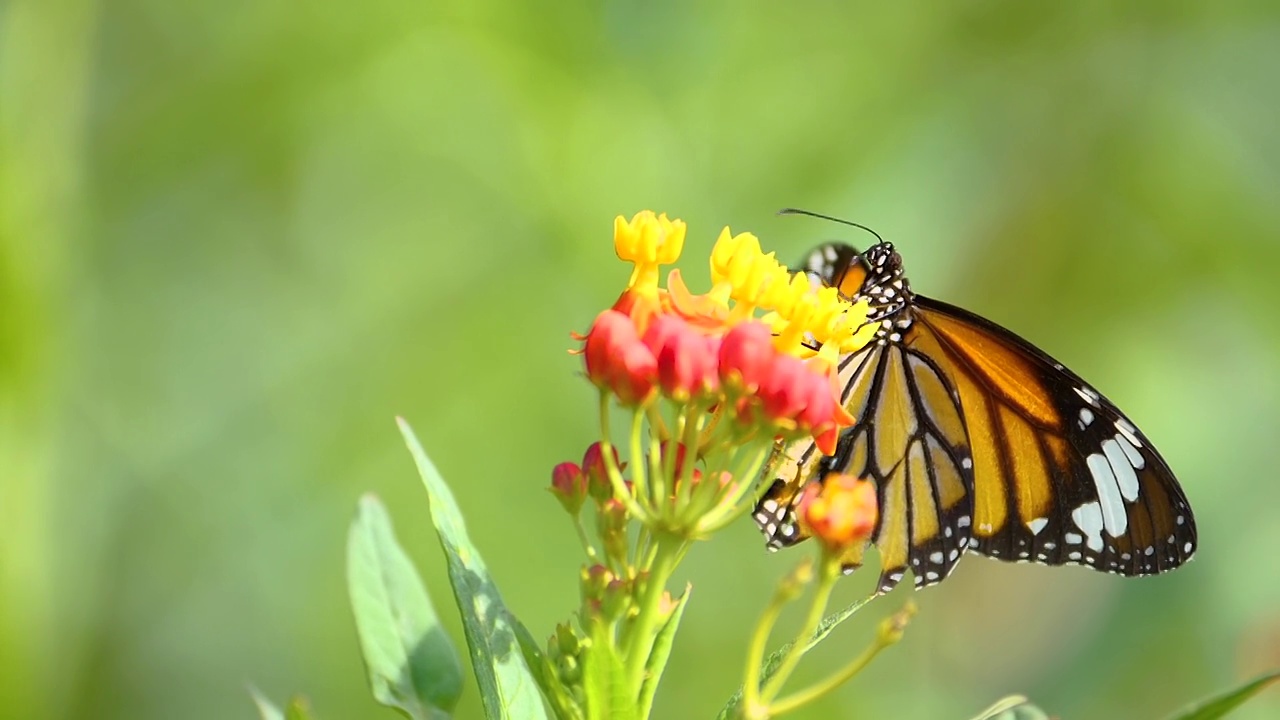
point(977, 440)
point(1061, 475)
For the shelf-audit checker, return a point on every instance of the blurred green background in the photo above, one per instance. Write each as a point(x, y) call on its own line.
point(237, 238)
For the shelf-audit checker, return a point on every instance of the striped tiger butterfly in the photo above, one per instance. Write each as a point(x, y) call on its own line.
point(978, 442)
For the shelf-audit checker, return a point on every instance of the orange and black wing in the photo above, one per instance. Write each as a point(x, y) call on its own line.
point(909, 437)
point(1060, 475)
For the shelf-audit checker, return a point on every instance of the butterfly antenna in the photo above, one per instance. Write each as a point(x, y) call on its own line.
point(820, 216)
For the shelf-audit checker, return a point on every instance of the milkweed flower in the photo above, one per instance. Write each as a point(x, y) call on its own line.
point(711, 384)
point(726, 373)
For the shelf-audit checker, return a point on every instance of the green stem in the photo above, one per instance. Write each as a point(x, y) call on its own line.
point(639, 469)
point(637, 640)
point(690, 419)
point(661, 466)
point(755, 653)
point(828, 573)
point(582, 537)
point(611, 466)
point(890, 633)
point(732, 507)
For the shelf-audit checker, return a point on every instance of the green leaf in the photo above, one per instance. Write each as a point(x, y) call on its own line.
point(411, 662)
point(545, 674)
point(1220, 705)
point(1014, 707)
point(299, 709)
point(507, 688)
point(661, 652)
point(604, 679)
point(266, 709)
point(770, 664)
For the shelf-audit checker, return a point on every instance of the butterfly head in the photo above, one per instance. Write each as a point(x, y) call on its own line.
point(875, 275)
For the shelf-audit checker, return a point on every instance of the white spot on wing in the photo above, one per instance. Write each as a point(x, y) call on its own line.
point(1130, 451)
point(1126, 478)
point(1086, 417)
point(1088, 395)
point(1036, 525)
point(1088, 517)
point(1114, 517)
point(1127, 429)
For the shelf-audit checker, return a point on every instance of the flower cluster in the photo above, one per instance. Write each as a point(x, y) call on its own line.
point(714, 384)
point(774, 373)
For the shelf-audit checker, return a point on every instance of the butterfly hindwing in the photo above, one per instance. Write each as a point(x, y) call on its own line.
point(909, 438)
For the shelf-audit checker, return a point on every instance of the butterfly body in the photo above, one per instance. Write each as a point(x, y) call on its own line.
point(979, 441)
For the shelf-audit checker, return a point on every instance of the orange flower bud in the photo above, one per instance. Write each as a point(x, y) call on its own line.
point(841, 511)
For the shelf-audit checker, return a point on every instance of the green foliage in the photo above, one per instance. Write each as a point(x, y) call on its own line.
point(298, 708)
point(1221, 705)
point(605, 680)
point(771, 663)
point(1014, 707)
point(507, 688)
point(266, 709)
point(661, 653)
point(411, 662)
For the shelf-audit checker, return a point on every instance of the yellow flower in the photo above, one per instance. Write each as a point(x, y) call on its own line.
point(756, 280)
point(648, 241)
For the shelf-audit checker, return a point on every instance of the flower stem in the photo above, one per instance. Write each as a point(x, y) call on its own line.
point(611, 466)
point(582, 537)
point(689, 436)
point(828, 573)
point(889, 633)
point(637, 640)
point(732, 507)
point(755, 652)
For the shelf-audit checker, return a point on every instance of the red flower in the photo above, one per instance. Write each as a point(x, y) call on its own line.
point(616, 359)
point(686, 359)
point(746, 356)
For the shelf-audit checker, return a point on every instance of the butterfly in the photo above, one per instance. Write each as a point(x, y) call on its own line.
point(978, 442)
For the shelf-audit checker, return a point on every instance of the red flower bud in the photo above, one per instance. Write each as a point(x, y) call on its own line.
point(686, 359)
point(597, 470)
point(569, 485)
point(787, 389)
point(616, 359)
point(746, 354)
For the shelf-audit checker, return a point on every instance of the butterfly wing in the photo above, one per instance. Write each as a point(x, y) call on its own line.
point(1061, 476)
point(910, 439)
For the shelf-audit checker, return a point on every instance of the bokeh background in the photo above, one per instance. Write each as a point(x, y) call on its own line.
point(237, 238)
